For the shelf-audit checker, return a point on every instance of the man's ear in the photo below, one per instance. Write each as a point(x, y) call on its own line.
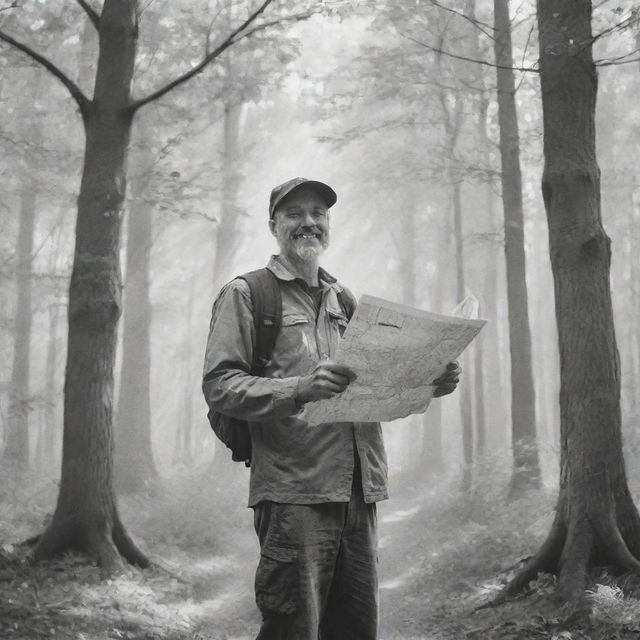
point(272, 226)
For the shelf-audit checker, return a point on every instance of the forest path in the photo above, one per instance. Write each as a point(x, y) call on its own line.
point(441, 555)
point(414, 600)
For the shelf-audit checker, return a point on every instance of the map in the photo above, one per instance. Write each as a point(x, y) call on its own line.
point(396, 352)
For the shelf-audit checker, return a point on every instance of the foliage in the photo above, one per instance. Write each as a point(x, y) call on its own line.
point(442, 555)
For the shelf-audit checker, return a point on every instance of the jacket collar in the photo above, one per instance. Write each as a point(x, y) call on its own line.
point(282, 273)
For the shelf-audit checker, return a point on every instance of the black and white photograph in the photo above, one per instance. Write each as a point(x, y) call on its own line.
point(319, 320)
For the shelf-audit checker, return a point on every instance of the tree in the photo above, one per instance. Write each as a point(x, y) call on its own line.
point(134, 455)
point(526, 469)
point(596, 519)
point(86, 517)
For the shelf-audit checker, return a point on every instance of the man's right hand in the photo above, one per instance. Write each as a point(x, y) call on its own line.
point(327, 380)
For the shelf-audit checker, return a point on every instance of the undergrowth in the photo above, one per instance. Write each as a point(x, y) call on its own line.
point(442, 555)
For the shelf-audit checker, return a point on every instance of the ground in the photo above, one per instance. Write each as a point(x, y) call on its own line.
point(441, 556)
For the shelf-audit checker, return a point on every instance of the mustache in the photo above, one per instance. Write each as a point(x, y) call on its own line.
point(307, 230)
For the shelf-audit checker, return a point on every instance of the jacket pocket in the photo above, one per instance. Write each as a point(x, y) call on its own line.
point(290, 319)
point(277, 580)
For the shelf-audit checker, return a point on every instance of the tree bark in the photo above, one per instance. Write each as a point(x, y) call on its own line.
point(86, 516)
point(526, 469)
point(134, 465)
point(16, 451)
point(596, 519)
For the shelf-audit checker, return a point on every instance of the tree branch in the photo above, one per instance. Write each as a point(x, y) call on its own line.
point(94, 16)
point(231, 39)
point(13, 5)
point(465, 58)
point(615, 62)
point(478, 24)
point(74, 89)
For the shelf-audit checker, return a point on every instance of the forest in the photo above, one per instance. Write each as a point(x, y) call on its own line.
point(478, 148)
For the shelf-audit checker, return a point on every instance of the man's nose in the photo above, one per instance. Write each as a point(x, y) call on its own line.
point(308, 219)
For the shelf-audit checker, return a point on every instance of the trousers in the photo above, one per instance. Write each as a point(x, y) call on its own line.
point(317, 576)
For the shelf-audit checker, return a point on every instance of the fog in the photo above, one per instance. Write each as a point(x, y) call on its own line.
point(354, 96)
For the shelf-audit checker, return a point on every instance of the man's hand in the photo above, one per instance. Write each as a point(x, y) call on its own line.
point(448, 381)
point(327, 380)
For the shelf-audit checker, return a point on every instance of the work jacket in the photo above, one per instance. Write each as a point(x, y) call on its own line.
point(291, 462)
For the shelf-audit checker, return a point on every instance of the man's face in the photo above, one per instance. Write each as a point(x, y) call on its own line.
point(301, 224)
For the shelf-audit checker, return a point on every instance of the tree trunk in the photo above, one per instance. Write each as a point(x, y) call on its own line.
point(45, 453)
point(526, 469)
point(134, 463)
point(227, 231)
point(466, 404)
point(596, 520)
point(227, 234)
point(86, 517)
point(16, 452)
point(184, 449)
point(634, 330)
point(432, 446)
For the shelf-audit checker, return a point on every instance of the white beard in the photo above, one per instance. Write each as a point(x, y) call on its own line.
point(308, 252)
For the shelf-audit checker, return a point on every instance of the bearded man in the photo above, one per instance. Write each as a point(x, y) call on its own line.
point(313, 489)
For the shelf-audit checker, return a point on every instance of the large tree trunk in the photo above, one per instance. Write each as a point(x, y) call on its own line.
point(86, 517)
point(526, 469)
point(596, 520)
point(134, 455)
point(16, 452)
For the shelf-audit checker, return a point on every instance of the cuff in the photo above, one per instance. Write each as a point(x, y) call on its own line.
point(285, 397)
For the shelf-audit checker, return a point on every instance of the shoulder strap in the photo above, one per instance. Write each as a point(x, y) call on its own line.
point(347, 301)
point(267, 314)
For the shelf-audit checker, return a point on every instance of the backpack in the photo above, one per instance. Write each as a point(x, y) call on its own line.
point(267, 319)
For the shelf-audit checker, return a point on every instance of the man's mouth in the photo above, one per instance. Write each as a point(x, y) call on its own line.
point(307, 236)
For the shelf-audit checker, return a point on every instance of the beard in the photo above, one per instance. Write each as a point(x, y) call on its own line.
point(304, 249)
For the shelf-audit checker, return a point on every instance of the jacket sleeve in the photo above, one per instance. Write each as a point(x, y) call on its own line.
point(228, 386)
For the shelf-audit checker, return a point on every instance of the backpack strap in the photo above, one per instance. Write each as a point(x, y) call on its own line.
point(347, 301)
point(267, 314)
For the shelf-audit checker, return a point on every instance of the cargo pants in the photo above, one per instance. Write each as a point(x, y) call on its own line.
point(317, 575)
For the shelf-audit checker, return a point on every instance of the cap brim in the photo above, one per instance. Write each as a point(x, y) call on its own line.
point(323, 190)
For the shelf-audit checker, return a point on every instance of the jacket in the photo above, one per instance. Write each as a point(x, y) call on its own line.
point(292, 462)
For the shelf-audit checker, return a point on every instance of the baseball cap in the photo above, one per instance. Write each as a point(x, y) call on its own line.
point(284, 189)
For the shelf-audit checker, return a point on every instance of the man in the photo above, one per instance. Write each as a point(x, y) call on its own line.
point(313, 488)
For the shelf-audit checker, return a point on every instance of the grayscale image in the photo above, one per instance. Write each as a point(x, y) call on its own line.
point(319, 320)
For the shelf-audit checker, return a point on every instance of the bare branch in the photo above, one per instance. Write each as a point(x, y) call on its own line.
point(619, 26)
point(617, 61)
point(231, 39)
point(298, 17)
point(478, 24)
point(440, 51)
point(13, 5)
point(74, 89)
point(94, 16)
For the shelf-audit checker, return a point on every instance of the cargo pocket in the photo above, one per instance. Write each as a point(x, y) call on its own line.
point(277, 580)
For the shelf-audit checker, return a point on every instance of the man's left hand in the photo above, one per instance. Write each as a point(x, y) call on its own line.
point(448, 381)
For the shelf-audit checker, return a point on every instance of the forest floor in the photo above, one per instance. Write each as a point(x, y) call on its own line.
point(441, 556)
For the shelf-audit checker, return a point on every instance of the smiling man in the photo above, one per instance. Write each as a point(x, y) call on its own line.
point(313, 489)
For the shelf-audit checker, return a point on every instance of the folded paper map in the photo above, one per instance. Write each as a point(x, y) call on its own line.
point(396, 352)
